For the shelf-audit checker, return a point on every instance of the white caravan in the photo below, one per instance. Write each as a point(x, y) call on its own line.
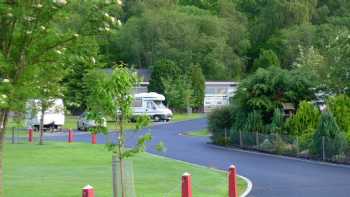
point(151, 104)
point(53, 117)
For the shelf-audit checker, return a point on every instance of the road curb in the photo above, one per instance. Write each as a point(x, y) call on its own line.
point(247, 180)
point(280, 156)
point(249, 186)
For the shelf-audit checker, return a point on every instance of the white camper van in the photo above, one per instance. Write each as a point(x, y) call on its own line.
point(151, 104)
point(53, 117)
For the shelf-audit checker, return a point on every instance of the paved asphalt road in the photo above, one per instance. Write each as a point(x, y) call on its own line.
point(271, 176)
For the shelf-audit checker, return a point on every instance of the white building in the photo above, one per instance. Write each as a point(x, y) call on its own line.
point(218, 94)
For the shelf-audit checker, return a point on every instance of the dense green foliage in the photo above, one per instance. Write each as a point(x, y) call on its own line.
point(267, 89)
point(220, 121)
point(305, 120)
point(254, 122)
point(35, 38)
point(340, 108)
point(178, 91)
point(162, 70)
point(82, 60)
point(186, 35)
point(266, 58)
point(198, 86)
point(304, 123)
point(228, 39)
point(329, 135)
point(277, 123)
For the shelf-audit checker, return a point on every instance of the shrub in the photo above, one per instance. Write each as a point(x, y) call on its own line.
point(254, 122)
point(335, 141)
point(283, 147)
point(266, 145)
point(219, 120)
point(268, 88)
point(277, 121)
point(340, 108)
point(238, 123)
point(305, 120)
point(305, 140)
point(178, 91)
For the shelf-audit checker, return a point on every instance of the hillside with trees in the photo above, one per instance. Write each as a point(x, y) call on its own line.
point(231, 39)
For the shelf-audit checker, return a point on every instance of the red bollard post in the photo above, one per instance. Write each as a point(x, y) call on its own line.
point(186, 185)
point(70, 136)
point(88, 191)
point(232, 182)
point(93, 138)
point(30, 135)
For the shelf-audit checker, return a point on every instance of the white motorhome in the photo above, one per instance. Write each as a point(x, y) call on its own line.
point(53, 117)
point(151, 104)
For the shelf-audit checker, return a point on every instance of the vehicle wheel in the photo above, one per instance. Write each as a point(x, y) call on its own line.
point(85, 128)
point(156, 118)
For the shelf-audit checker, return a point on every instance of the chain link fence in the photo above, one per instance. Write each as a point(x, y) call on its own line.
point(20, 135)
point(321, 148)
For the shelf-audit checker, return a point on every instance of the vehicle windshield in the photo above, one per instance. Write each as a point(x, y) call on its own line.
point(159, 104)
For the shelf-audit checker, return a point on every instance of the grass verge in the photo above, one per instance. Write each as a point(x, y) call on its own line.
point(71, 121)
point(185, 116)
point(199, 133)
point(58, 169)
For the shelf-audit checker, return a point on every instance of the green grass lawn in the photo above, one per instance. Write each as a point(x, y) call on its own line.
point(61, 170)
point(199, 133)
point(71, 121)
point(184, 116)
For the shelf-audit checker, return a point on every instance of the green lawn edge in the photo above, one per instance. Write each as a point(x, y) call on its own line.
point(198, 133)
point(61, 169)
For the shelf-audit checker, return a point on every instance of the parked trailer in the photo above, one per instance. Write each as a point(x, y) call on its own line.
point(53, 117)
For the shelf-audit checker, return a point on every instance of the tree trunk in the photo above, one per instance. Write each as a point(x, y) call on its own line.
point(114, 175)
point(41, 142)
point(3, 124)
point(120, 153)
point(121, 169)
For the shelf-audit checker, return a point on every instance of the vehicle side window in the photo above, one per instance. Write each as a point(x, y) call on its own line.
point(149, 105)
point(137, 103)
